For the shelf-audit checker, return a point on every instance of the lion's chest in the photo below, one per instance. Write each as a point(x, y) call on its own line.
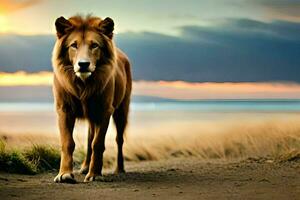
point(93, 109)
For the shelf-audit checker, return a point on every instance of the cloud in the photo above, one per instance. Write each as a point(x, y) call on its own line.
point(237, 50)
point(193, 91)
point(27, 53)
point(283, 10)
point(8, 6)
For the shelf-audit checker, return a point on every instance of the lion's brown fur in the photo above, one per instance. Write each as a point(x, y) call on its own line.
point(105, 93)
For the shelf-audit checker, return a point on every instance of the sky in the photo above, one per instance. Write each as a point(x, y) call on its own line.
point(193, 41)
point(163, 16)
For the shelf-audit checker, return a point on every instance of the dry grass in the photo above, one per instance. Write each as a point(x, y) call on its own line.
point(28, 161)
point(272, 139)
point(276, 139)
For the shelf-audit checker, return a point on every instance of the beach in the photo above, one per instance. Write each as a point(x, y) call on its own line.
point(176, 150)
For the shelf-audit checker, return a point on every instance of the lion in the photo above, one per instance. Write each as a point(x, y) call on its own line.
point(92, 81)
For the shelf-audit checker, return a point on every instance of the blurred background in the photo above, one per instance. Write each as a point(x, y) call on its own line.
point(219, 69)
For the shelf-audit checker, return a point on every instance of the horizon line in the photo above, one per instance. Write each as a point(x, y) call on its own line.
point(182, 90)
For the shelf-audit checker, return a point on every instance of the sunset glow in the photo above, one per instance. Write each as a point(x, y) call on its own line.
point(210, 90)
point(25, 79)
point(176, 89)
point(3, 24)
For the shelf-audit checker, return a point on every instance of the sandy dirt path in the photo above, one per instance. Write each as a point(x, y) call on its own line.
point(171, 179)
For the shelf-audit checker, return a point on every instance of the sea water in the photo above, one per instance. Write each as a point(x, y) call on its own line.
point(158, 117)
point(172, 105)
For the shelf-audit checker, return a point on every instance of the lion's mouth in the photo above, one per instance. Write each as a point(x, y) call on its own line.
point(83, 75)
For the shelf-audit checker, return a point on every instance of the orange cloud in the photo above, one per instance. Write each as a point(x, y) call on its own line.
point(190, 91)
point(176, 89)
point(282, 10)
point(8, 6)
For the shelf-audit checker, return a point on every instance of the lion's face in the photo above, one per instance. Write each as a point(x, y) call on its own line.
point(85, 44)
point(84, 52)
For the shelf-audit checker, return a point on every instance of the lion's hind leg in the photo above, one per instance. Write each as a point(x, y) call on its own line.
point(120, 118)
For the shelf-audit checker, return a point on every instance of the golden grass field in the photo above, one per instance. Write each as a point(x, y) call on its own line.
point(272, 136)
point(203, 156)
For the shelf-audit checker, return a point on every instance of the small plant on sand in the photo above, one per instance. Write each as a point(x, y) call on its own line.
point(29, 161)
point(13, 161)
point(45, 158)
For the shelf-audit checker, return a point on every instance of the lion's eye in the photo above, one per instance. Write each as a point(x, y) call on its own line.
point(74, 45)
point(94, 45)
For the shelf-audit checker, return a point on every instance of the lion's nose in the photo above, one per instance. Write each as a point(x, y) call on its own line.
point(83, 66)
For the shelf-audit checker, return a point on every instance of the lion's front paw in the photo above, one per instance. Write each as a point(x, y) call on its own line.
point(89, 178)
point(65, 178)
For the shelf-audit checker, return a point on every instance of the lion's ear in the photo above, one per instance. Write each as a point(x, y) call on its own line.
point(62, 26)
point(106, 27)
